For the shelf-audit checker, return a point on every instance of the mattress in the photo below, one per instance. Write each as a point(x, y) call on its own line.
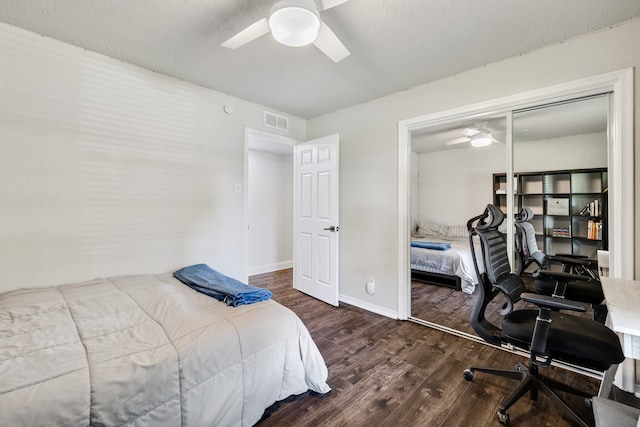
point(147, 351)
point(455, 261)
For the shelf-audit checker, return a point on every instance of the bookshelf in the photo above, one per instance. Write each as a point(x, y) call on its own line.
point(570, 208)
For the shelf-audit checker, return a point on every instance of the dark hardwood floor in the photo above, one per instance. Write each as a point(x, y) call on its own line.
point(451, 308)
point(444, 306)
point(387, 372)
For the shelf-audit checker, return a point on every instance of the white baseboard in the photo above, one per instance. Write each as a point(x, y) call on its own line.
point(268, 268)
point(369, 307)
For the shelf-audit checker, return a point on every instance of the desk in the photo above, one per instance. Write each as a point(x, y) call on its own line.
point(623, 302)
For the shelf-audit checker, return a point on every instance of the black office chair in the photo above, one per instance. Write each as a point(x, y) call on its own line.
point(546, 333)
point(586, 290)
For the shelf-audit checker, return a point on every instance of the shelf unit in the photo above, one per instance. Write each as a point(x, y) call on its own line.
point(570, 208)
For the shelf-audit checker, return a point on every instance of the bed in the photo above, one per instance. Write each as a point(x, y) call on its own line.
point(451, 267)
point(147, 350)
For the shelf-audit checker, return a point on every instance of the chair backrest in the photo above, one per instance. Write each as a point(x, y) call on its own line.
point(526, 242)
point(496, 277)
point(493, 244)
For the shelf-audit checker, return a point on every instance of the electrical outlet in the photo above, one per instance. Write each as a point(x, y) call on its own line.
point(371, 286)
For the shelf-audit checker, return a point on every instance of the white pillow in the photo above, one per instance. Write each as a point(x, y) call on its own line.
point(457, 231)
point(430, 228)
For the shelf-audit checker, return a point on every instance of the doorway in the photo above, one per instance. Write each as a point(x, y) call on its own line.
point(269, 202)
point(292, 210)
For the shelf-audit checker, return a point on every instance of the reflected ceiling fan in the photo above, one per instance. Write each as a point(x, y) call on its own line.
point(478, 136)
point(295, 23)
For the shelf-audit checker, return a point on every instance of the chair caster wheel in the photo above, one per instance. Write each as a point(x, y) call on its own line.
point(468, 375)
point(503, 418)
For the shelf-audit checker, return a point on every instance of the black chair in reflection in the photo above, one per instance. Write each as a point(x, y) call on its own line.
point(545, 332)
point(588, 289)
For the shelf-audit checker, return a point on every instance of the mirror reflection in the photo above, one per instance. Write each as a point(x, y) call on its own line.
point(559, 163)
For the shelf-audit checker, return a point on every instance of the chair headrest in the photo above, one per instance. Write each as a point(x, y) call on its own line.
point(525, 214)
point(493, 217)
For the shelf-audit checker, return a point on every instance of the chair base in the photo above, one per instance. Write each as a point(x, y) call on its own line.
point(530, 380)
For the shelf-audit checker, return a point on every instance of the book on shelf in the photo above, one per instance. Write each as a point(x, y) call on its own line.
point(561, 232)
point(594, 230)
point(593, 208)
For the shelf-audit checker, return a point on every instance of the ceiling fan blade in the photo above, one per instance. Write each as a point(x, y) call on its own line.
point(328, 4)
point(249, 34)
point(469, 131)
point(329, 44)
point(458, 141)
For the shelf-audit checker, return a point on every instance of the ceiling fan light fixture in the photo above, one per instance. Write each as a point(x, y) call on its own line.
point(294, 22)
point(481, 140)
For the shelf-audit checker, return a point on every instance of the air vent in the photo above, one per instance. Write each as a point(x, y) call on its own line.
point(275, 121)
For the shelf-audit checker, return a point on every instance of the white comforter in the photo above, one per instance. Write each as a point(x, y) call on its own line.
point(147, 351)
point(456, 261)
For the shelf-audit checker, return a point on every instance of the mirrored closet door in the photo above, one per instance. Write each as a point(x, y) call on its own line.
point(559, 155)
point(452, 177)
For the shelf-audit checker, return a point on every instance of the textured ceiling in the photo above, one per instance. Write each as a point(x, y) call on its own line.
point(578, 117)
point(394, 44)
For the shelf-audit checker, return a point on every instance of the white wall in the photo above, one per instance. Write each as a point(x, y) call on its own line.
point(571, 152)
point(455, 185)
point(107, 168)
point(270, 210)
point(369, 144)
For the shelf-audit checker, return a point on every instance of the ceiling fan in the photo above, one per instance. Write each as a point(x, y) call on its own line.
point(295, 23)
point(478, 136)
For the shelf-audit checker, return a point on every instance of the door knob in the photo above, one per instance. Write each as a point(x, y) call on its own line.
point(333, 228)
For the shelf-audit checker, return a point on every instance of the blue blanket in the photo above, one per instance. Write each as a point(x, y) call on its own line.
point(204, 279)
point(438, 246)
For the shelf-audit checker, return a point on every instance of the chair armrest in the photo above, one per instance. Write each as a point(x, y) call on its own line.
point(538, 348)
point(569, 260)
point(551, 302)
point(574, 256)
point(561, 276)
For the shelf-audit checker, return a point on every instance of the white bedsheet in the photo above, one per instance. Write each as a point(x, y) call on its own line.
point(456, 261)
point(147, 351)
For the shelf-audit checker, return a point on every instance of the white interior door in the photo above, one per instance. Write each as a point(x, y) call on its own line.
point(315, 202)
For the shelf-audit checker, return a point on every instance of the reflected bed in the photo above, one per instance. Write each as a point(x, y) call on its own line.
point(451, 265)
